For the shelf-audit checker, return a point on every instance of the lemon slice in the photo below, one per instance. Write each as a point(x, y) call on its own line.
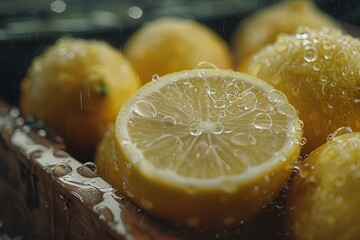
point(206, 147)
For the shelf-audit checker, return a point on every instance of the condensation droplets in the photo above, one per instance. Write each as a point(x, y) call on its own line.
point(338, 132)
point(287, 110)
point(243, 139)
point(168, 121)
point(262, 121)
point(155, 77)
point(311, 54)
point(145, 109)
point(276, 96)
point(249, 100)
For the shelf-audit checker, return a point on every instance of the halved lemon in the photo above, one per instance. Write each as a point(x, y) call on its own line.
point(206, 147)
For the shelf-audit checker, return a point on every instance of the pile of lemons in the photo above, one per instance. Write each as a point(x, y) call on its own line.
point(207, 135)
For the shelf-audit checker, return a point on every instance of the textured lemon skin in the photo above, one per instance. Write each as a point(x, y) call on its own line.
point(172, 44)
point(324, 201)
point(205, 208)
point(200, 206)
point(77, 87)
point(105, 159)
point(265, 25)
point(318, 72)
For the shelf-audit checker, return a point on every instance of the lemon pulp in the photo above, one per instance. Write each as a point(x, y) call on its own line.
point(206, 147)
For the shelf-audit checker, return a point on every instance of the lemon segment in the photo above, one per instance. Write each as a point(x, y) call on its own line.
point(324, 200)
point(206, 147)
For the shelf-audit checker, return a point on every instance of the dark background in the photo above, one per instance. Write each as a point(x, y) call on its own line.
point(28, 27)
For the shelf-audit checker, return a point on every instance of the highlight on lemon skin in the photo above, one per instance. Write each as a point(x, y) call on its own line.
point(77, 87)
point(262, 28)
point(206, 147)
point(319, 73)
point(168, 45)
point(323, 202)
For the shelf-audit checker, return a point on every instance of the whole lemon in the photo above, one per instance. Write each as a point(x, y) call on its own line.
point(265, 25)
point(324, 200)
point(77, 87)
point(318, 70)
point(172, 44)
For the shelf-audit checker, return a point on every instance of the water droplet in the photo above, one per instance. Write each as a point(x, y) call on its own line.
point(316, 67)
point(338, 132)
point(302, 35)
point(85, 171)
point(306, 42)
point(287, 110)
point(231, 98)
point(276, 96)
point(104, 213)
point(303, 141)
point(145, 109)
point(221, 114)
point(219, 103)
point(91, 166)
point(61, 169)
point(205, 64)
point(217, 128)
point(299, 125)
point(168, 95)
point(327, 45)
point(311, 54)
point(88, 195)
point(243, 139)
point(323, 78)
point(232, 89)
point(155, 77)
point(168, 121)
point(262, 121)
point(211, 91)
point(265, 106)
point(249, 100)
point(60, 153)
point(58, 6)
point(195, 129)
point(328, 55)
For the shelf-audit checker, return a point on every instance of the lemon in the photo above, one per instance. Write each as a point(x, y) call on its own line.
point(319, 73)
point(264, 26)
point(206, 147)
point(105, 158)
point(77, 87)
point(168, 45)
point(324, 200)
